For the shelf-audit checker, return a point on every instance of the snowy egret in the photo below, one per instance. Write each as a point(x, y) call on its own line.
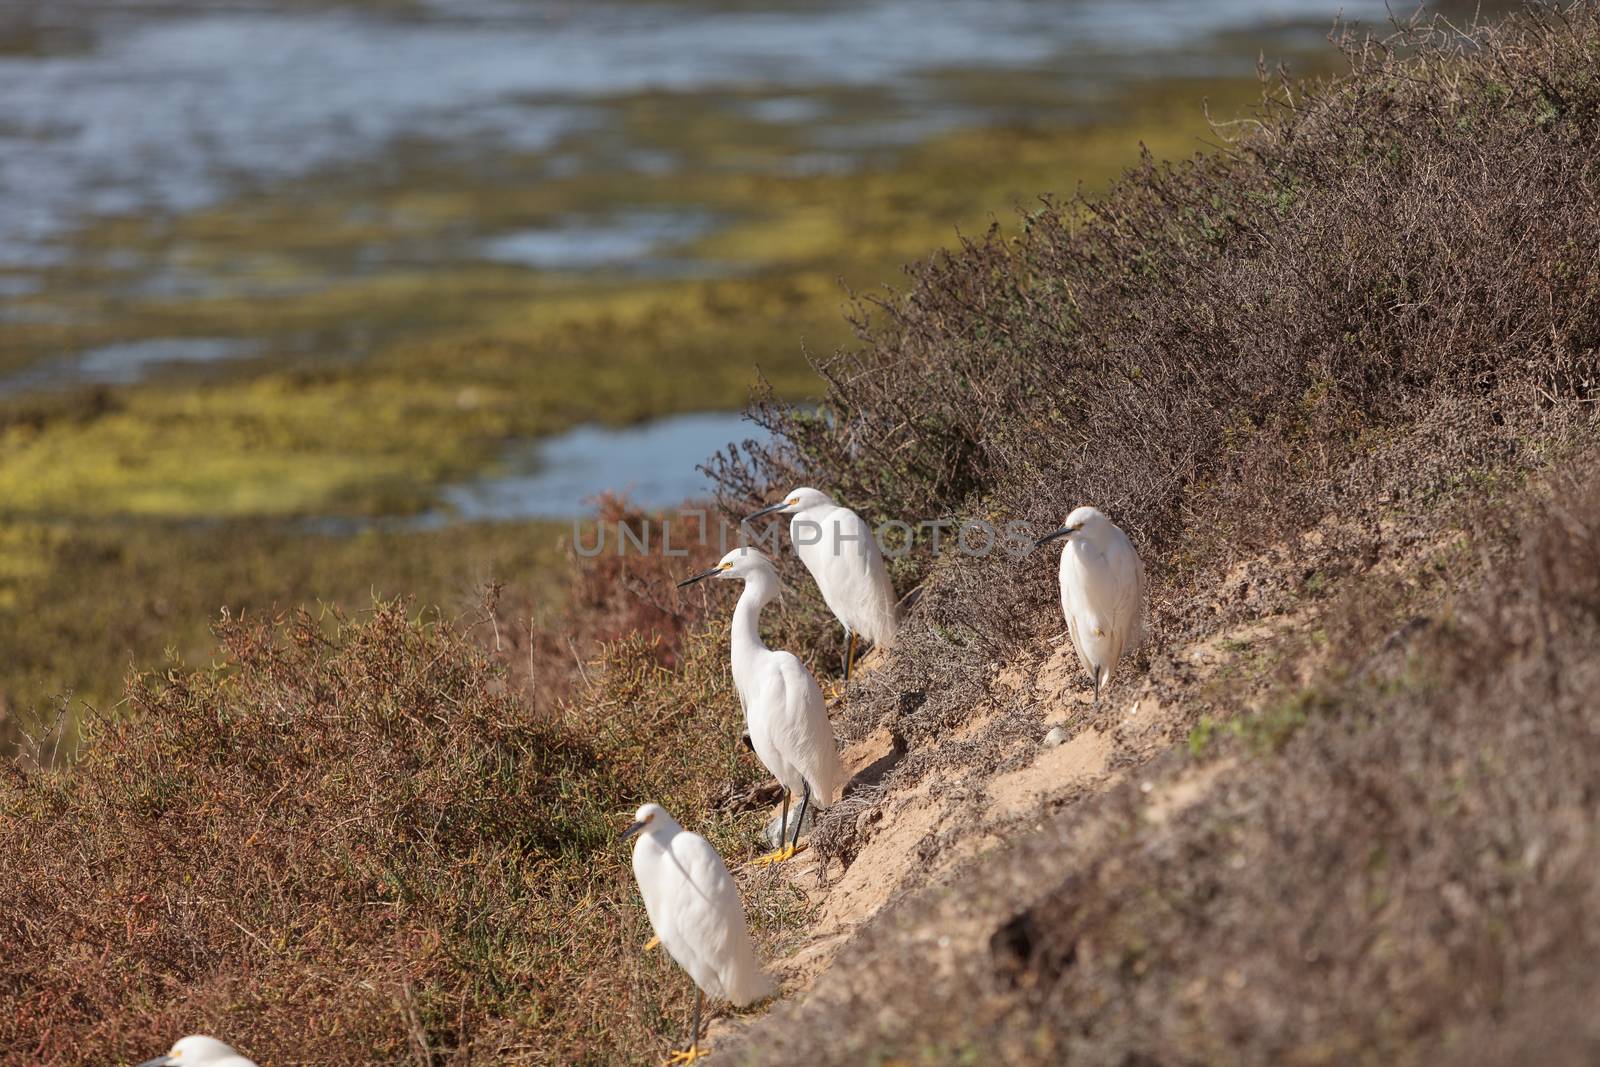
point(200, 1051)
point(695, 911)
point(840, 551)
point(784, 713)
point(1102, 589)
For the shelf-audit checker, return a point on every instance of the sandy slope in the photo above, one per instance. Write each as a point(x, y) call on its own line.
point(939, 839)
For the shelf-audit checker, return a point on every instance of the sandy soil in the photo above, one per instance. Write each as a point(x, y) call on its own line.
point(920, 838)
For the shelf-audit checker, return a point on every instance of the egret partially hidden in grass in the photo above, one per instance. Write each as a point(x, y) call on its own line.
point(694, 909)
point(1102, 592)
point(784, 712)
point(839, 549)
point(200, 1051)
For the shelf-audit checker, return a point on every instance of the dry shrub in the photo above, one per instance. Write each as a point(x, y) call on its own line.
point(1397, 864)
point(1418, 869)
point(1383, 283)
point(1379, 304)
point(619, 591)
point(385, 839)
point(354, 846)
point(614, 592)
point(302, 849)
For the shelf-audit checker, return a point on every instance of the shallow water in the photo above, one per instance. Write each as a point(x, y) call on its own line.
point(654, 465)
point(143, 141)
point(631, 241)
point(113, 107)
point(126, 363)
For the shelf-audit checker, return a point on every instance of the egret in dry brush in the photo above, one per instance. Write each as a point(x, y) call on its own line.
point(200, 1051)
point(840, 551)
point(784, 712)
point(694, 909)
point(1102, 590)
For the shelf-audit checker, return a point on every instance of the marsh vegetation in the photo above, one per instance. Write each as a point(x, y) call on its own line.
point(340, 297)
point(1338, 380)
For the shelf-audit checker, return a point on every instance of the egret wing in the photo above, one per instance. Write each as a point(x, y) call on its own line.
point(839, 550)
point(770, 728)
point(709, 920)
point(1086, 587)
point(805, 733)
point(1102, 592)
point(1128, 614)
point(1076, 604)
point(1077, 640)
point(655, 874)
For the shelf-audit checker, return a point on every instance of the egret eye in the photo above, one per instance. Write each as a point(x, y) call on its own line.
point(727, 566)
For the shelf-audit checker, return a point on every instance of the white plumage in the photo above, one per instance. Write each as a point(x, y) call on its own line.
point(841, 552)
point(784, 710)
point(694, 908)
point(199, 1050)
point(1102, 592)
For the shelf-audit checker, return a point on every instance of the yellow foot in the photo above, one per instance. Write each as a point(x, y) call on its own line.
point(784, 853)
point(833, 690)
point(654, 942)
point(693, 1053)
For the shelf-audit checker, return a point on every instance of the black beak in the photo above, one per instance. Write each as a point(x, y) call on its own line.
point(632, 829)
point(699, 577)
point(1047, 538)
point(768, 510)
point(159, 1061)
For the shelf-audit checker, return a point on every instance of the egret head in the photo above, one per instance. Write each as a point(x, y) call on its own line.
point(794, 502)
point(196, 1049)
point(649, 817)
point(1083, 520)
point(740, 563)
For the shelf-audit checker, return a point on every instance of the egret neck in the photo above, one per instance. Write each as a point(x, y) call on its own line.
point(760, 586)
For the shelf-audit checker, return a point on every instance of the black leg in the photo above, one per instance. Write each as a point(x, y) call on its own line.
point(849, 656)
point(805, 801)
point(1097, 687)
point(694, 1025)
point(776, 855)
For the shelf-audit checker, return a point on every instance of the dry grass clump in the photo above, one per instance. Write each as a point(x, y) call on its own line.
point(302, 848)
point(358, 844)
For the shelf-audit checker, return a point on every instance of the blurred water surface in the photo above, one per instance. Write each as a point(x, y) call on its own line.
point(143, 143)
point(655, 465)
point(111, 107)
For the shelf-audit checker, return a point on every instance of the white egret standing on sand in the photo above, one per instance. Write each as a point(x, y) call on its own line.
point(695, 911)
point(840, 551)
point(1102, 589)
point(784, 712)
point(200, 1051)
